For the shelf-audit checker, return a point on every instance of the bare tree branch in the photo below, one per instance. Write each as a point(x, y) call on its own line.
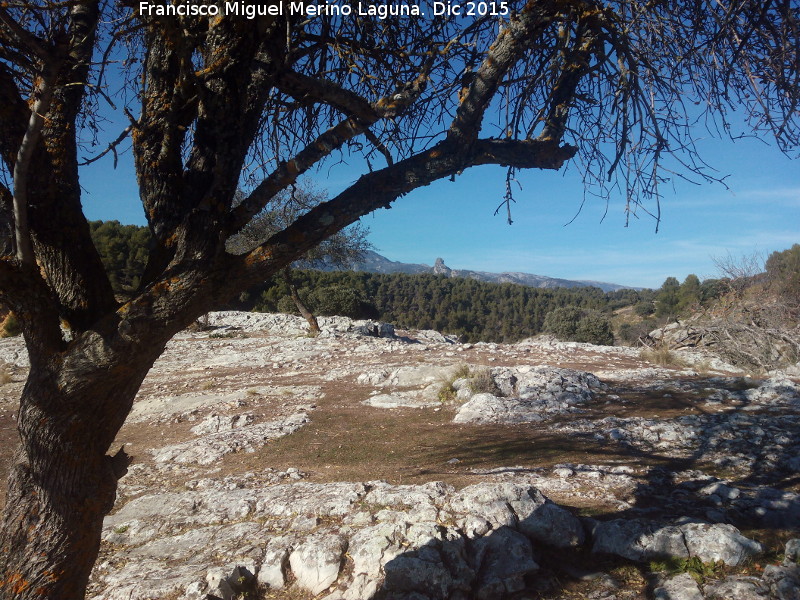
point(13, 118)
point(288, 172)
point(24, 38)
point(380, 188)
point(112, 147)
point(22, 166)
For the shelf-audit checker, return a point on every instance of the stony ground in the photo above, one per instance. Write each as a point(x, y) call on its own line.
point(350, 465)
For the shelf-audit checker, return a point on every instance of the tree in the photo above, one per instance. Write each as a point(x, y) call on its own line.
point(688, 293)
point(573, 324)
point(783, 274)
point(341, 249)
point(667, 298)
point(214, 101)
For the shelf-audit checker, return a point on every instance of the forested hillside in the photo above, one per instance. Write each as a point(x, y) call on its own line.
point(474, 310)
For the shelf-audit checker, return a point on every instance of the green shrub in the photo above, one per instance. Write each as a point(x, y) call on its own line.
point(644, 309)
point(625, 333)
point(336, 300)
point(340, 300)
point(629, 333)
point(287, 306)
point(562, 322)
point(661, 355)
point(694, 566)
point(572, 324)
point(595, 328)
point(783, 272)
point(447, 393)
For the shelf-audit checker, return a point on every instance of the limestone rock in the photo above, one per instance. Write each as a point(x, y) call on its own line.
point(371, 548)
point(530, 394)
point(737, 588)
point(641, 541)
point(486, 506)
point(502, 559)
point(316, 561)
point(421, 571)
point(275, 563)
point(210, 448)
point(216, 423)
point(375, 329)
point(783, 582)
point(719, 542)
point(439, 268)
point(792, 552)
point(680, 587)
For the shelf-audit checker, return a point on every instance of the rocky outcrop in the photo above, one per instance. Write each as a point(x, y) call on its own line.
point(757, 339)
point(688, 459)
point(643, 541)
point(230, 321)
point(355, 541)
point(439, 268)
point(527, 394)
point(351, 540)
point(680, 587)
point(230, 438)
point(736, 429)
point(410, 386)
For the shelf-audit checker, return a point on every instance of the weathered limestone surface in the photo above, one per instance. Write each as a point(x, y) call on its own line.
point(188, 524)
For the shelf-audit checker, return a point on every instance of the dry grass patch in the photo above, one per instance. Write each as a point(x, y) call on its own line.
point(664, 357)
point(5, 373)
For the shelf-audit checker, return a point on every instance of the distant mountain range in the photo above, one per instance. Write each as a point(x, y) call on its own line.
point(375, 263)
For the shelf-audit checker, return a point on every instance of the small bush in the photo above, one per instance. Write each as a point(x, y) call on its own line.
point(482, 382)
point(629, 333)
point(573, 324)
point(783, 272)
point(336, 300)
point(562, 322)
point(447, 393)
point(595, 328)
point(287, 306)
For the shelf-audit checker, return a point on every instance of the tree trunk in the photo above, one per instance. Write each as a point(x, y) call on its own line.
point(62, 483)
point(313, 325)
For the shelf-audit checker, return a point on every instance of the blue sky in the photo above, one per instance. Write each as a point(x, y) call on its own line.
point(454, 220)
point(759, 213)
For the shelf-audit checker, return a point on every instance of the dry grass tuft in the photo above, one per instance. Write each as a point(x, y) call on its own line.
point(661, 355)
point(447, 393)
point(5, 373)
point(481, 381)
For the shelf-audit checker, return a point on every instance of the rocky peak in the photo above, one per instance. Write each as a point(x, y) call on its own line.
point(439, 268)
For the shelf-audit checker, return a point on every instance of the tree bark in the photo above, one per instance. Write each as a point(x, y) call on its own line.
point(62, 482)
